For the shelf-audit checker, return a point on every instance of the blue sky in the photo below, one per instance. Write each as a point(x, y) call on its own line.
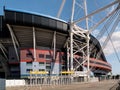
point(51, 7)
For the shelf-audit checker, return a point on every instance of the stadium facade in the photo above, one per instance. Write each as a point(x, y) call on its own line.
point(26, 41)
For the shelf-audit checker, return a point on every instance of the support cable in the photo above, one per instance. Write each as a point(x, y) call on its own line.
point(115, 50)
point(101, 33)
point(61, 8)
point(106, 41)
point(111, 32)
point(97, 11)
point(108, 23)
point(102, 20)
point(109, 36)
point(113, 46)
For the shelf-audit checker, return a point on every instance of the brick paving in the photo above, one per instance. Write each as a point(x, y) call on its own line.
point(103, 85)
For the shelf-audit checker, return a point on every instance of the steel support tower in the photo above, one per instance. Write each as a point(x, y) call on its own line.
point(77, 47)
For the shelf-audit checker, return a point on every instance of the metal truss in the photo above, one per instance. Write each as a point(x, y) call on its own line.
point(4, 50)
point(3, 59)
point(97, 11)
point(5, 66)
point(78, 47)
point(78, 51)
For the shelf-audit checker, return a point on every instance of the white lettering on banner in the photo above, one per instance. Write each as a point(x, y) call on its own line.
point(79, 73)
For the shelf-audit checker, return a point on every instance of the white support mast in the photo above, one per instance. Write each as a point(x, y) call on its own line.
point(14, 40)
point(71, 37)
point(88, 38)
point(34, 44)
point(77, 47)
point(54, 43)
point(68, 57)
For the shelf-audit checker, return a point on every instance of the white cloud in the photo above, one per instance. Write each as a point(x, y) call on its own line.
point(116, 41)
point(95, 32)
point(109, 10)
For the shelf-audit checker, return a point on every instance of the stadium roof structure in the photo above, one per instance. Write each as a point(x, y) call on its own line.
point(22, 24)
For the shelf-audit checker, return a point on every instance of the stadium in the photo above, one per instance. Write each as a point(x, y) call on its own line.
point(33, 42)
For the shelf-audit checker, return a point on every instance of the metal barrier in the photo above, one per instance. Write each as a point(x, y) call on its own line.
point(44, 82)
point(41, 78)
point(67, 79)
point(53, 80)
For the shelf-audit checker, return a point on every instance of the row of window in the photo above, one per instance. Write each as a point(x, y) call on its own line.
point(47, 69)
point(28, 70)
point(40, 63)
point(47, 57)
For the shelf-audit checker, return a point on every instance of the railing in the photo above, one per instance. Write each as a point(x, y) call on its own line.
point(53, 80)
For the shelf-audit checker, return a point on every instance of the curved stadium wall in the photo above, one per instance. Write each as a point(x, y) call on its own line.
point(22, 24)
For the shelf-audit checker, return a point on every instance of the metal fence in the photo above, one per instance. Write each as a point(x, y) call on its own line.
point(45, 82)
point(53, 80)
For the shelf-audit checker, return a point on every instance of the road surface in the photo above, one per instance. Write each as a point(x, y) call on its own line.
point(103, 85)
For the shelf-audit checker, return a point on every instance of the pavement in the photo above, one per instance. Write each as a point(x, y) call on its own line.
point(102, 85)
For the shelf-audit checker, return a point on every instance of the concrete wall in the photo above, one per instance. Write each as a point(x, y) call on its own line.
point(27, 63)
point(56, 68)
point(2, 84)
point(10, 83)
point(24, 67)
